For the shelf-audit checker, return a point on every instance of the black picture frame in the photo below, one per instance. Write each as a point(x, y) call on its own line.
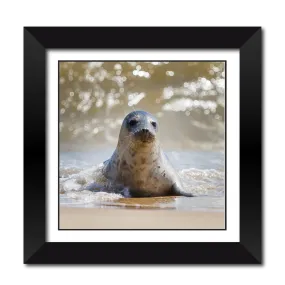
point(37, 40)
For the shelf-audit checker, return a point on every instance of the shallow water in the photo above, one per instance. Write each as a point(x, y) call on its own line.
point(201, 172)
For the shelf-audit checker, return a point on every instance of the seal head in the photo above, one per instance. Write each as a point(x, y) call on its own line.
point(138, 127)
point(138, 162)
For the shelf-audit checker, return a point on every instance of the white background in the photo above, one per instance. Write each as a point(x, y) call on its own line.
point(232, 232)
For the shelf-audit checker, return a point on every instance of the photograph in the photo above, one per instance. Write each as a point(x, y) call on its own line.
point(142, 145)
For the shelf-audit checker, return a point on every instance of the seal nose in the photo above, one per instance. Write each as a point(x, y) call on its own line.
point(144, 135)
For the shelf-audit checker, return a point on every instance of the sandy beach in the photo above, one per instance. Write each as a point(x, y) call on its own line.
point(108, 218)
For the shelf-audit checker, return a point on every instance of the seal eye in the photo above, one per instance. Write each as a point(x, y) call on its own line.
point(153, 124)
point(133, 122)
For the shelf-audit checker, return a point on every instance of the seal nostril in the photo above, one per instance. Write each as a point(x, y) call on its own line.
point(145, 131)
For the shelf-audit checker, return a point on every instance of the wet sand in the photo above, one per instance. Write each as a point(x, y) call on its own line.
point(109, 218)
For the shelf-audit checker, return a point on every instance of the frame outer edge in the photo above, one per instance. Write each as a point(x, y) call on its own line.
point(34, 146)
point(19, 130)
point(251, 142)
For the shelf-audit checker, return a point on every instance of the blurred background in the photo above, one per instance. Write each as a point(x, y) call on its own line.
point(188, 98)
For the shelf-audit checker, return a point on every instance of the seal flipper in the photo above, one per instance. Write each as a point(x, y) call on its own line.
point(179, 191)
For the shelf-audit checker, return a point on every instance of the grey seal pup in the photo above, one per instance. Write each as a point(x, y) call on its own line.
point(139, 163)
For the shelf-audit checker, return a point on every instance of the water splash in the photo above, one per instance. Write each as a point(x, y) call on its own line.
point(87, 187)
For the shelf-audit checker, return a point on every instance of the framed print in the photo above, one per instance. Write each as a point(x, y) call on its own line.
point(136, 145)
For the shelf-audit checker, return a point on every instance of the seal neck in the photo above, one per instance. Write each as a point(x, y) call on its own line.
point(135, 147)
